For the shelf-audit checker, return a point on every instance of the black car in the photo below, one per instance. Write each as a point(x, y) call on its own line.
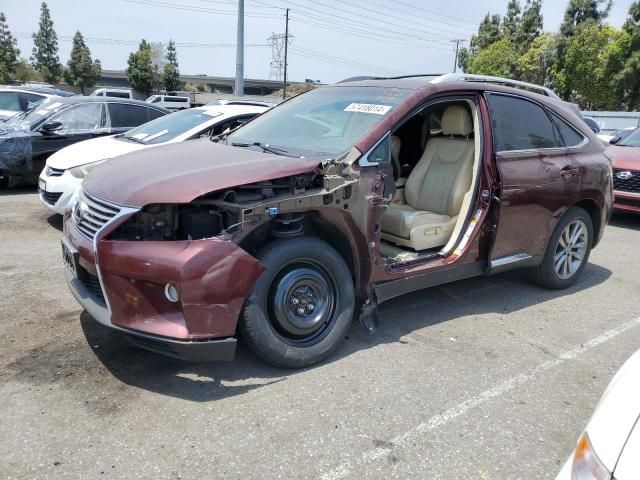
point(27, 139)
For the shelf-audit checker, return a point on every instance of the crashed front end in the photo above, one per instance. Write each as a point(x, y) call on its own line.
point(175, 277)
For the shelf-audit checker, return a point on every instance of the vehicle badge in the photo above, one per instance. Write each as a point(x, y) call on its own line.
point(626, 175)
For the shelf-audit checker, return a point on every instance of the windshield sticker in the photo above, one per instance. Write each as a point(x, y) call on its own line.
point(368, 108)
point(140, 136)
point(42, 112)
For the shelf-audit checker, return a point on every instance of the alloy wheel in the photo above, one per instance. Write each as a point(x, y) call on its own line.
point(571, 249)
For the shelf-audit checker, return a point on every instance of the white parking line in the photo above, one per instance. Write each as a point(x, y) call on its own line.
point(436, 421)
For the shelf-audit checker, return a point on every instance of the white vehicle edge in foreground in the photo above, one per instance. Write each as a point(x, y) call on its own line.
point(609, 447)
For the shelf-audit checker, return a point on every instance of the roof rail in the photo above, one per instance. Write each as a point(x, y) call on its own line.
point(467, 77)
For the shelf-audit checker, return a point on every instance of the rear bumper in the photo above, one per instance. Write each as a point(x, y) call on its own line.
point(217, 350)
point(626, 201)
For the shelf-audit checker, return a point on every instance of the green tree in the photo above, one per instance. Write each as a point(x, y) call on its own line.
point(498, 59)
point(592, 60)
point(81, 69)
point(628, 80)
point(531, 24)
point(489, 32)
point(9, 52)
point(25, 72)
point(583, 13)
point(171, 74)
point(45, 51)
point(512, 20)
point(535, 65)
point(140, 69)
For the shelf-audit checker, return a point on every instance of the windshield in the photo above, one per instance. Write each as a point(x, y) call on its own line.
point(632, 140)
point(37, 112)
point(323, 122)
point(169, 127)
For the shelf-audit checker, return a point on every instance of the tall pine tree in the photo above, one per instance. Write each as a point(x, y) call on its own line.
point(140, 69)
point(81, 70)
point(171, 74)
point(45, 51)
point(628, 79)
point(9, 52)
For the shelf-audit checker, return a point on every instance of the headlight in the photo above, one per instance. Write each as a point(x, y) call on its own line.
point(82, 170)
point(586, 464)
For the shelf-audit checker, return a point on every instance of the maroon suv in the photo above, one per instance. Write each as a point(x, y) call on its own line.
point(330, 204)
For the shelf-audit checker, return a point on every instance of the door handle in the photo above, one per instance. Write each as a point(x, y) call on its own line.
point(568, 173)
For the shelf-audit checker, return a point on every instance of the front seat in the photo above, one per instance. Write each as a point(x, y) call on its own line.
point(435, 188)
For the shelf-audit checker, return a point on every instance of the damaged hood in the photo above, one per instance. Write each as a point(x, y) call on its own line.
point(181, 172)
point(91, 151)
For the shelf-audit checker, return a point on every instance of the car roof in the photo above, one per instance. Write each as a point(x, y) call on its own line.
point(36, 89)
point(229, 110)
point(100, 99)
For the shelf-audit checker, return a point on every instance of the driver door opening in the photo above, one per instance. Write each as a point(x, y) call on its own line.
point(436, 157)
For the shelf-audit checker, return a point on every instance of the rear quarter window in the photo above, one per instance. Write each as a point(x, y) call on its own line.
point(569, 134)
point(519, 124)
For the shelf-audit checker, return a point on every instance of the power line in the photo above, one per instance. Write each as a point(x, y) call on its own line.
point(374, 30)
point(368, 8)
point(371, 18)
point(475, 24)
point(191, 8)
point(341, 61)
point(115, 41)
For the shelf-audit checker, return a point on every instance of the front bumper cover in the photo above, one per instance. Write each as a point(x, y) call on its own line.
point(217, 350)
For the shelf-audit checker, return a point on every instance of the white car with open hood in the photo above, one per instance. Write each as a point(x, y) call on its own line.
point(65, 170)
point(609, 447)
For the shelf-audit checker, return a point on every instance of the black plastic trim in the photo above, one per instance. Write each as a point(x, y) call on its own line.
point(395, 288)
point(218, 350)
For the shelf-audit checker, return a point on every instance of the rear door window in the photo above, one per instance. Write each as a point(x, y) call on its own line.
point(519, 124)
point(153, 113)
point(126, 116)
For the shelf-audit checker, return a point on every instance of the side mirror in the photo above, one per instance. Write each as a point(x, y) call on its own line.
point(614, 140)
point(51, 127)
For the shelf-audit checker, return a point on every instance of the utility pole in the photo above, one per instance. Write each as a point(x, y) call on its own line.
point(457, 41)
point(239, 86)
point(286, 44)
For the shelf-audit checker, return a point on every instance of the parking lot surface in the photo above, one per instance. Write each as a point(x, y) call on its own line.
point(489, 378)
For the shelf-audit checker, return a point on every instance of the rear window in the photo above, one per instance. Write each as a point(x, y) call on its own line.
point(127, 116)
point(176, 99)
point(111, 93)
point(519, 124)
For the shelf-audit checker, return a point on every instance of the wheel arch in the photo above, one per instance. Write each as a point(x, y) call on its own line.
point(594, 211)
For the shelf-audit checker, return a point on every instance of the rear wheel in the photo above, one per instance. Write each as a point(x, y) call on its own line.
point(302, 304)
point(567, 252)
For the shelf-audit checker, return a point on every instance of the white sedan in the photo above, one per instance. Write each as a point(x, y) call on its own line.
point(65, 170)
point(609, 448)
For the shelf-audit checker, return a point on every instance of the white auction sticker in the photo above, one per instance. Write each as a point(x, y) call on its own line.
point(368, 108)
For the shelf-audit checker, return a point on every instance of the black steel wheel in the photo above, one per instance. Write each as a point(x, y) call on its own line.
point(301, 306)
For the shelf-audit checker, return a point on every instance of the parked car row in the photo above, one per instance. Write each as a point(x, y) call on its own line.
point(14, 100)
point(29, 138)
point(66, 169)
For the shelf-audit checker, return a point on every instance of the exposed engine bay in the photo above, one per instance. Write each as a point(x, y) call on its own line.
point(234, 211)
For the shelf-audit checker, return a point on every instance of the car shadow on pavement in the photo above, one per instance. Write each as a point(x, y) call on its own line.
point(399, 318)
point(55, 221)
point(626, 220)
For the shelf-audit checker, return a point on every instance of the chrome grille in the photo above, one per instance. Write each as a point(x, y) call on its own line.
point(90, 214)
point(54, 172)
point(626, 180)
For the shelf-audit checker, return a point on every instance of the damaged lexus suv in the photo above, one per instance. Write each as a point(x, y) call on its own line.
point(330, 204)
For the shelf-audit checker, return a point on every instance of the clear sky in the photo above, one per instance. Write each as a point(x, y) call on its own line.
point(332, 39)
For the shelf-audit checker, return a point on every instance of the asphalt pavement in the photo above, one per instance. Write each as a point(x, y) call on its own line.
point(488, 378)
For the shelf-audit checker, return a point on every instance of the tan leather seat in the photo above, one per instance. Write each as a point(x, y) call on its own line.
point(435, 188)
